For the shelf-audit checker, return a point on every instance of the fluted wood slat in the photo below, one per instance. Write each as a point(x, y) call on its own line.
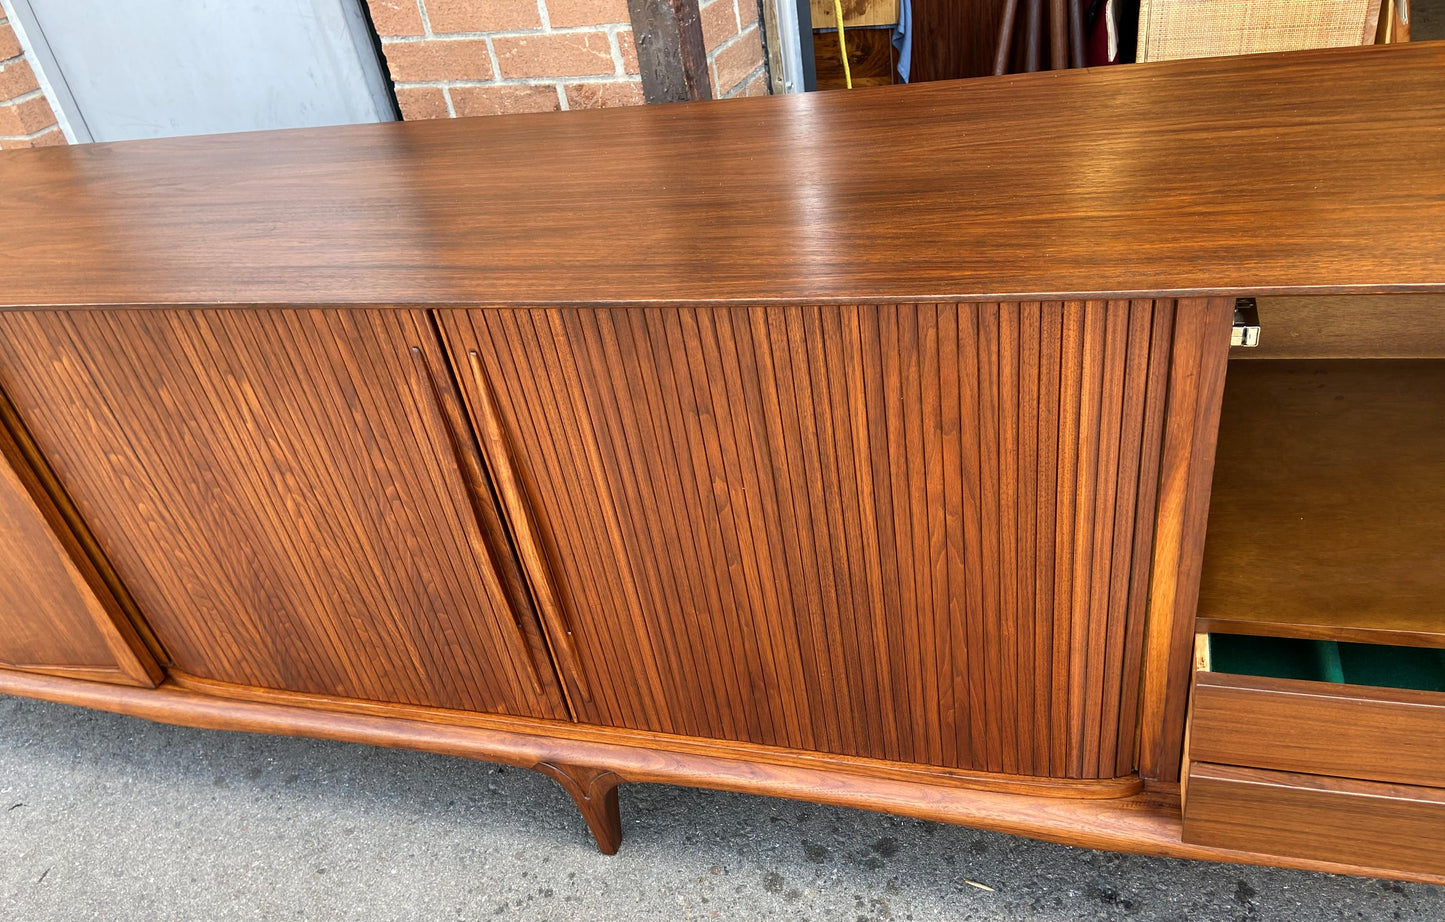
point(282, 495)
point(908, 532)
point(57, 614)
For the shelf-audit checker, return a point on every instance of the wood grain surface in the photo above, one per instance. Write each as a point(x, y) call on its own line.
point(1328, 488)
point(281, 493)
point(1350, 327)
point(1035, 785)
point(954, 38)
point(1374, 734)
point(906, 532)
point(56, 612)
point(1230, 176)
point(871, 58)
point(1191, 426)
point(671, 50)
point(855, 13)
point(1329, 819)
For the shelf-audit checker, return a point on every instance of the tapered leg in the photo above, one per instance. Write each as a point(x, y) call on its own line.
point(595, 791)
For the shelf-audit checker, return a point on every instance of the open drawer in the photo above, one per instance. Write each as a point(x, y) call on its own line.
point(1322, 708)
point(1313, 749)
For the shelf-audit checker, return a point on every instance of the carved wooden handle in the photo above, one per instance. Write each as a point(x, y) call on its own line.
point(524, 530)
point(472, 474)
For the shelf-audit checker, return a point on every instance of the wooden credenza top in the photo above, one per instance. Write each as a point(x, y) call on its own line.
point(1292, 173)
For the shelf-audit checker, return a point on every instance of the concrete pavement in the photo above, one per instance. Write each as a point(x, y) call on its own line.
point(112, 818)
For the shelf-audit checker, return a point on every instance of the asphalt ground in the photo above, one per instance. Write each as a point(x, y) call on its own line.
point(113, 818)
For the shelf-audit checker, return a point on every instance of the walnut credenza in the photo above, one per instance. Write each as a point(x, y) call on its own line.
point(854, 448)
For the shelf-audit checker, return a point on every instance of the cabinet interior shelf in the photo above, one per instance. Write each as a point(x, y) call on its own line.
point(1325, 521)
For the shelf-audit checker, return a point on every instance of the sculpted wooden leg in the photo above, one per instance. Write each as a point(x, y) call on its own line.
point(595, 792)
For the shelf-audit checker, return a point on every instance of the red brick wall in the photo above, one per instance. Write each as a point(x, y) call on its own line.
point(477, 57)
point(485, 57)
point(26, 119)
point(734, 47)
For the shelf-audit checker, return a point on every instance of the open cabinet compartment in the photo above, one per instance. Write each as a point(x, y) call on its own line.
point(1327, 518)
point(1317, 720)
point(1383, 665)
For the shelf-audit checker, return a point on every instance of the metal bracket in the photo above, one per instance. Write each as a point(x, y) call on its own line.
point(1246, 324)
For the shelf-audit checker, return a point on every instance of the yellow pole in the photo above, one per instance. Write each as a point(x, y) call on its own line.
point(842, 45)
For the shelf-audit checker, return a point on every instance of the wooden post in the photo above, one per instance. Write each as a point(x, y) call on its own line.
point(670, 49)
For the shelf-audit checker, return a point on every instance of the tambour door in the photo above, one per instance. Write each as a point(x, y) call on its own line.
point(909, 532)
point(57, 615)
point(291, 496)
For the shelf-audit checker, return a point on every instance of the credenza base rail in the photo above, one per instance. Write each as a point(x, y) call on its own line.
point(1115, 815)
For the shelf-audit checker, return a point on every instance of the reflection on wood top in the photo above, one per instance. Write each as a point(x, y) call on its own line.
point(1280, 173)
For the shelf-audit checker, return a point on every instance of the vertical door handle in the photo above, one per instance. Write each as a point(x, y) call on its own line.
point(469, 466)
point(498, 453)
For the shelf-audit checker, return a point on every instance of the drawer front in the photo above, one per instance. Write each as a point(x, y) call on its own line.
point(1350, 731)
point(1302, 816)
